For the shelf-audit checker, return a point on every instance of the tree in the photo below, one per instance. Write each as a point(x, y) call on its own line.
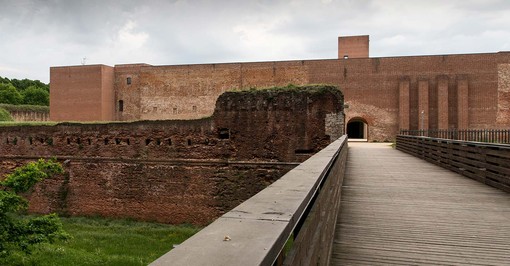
point(4, 80)
point(36, 96)
point(9, 94)
point(23, 84)
point(17, 233)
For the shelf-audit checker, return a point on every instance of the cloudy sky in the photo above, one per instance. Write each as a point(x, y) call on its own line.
point(37, 34)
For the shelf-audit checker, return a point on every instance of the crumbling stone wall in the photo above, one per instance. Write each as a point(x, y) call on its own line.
point(179, 170)
point(22, 116)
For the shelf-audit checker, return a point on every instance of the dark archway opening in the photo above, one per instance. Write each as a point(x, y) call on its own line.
point(357, 129)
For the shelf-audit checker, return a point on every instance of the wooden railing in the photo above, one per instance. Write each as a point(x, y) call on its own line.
point(300, 210)
point(487, 163)
point(480, 135)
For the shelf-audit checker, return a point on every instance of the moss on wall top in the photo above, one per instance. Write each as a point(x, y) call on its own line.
point(309, 89)
point(25, 108)
point(287, 96)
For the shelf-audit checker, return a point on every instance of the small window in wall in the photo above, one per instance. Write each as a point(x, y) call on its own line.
point(194, 108)
point(128, 81)
point(175, 110)
point(224, 133)
point(121, 105)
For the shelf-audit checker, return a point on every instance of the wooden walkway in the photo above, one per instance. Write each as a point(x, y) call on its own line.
point(399, 210)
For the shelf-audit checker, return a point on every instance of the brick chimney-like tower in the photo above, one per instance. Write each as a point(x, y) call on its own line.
point(353, 46)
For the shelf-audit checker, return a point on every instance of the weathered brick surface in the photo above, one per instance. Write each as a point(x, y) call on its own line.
point(371, 87)
point(177, 171)
point(503, 116)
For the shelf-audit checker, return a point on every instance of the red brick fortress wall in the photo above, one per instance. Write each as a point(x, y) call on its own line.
point(390, 93)
point(180, 170)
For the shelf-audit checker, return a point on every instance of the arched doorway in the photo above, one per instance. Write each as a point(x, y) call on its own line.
point(357, 128)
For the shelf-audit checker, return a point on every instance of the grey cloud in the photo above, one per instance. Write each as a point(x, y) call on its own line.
point(38, 34)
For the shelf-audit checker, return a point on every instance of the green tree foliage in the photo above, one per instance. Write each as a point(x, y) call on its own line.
point(32, 92)
point(5, 115)
point(4, 80)
point(23, 84)
point(34, 95)
point(9, 94)
point(22, 233)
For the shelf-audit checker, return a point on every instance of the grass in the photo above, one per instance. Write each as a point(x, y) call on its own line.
point(99, 241)
point(26, 108)
point(27, 123)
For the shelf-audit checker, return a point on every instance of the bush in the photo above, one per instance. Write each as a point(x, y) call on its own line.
point(5, 115)
point(22, 233)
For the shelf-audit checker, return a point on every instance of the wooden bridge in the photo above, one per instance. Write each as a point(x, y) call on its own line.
point(369, 204)
point(397, 209)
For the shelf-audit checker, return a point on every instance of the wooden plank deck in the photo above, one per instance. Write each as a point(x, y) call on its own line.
point(399, 210)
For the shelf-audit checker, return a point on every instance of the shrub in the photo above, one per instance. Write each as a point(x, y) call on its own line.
point(22, 233)
point(5, 115)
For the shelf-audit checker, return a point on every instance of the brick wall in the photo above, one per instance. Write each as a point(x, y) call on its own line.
point(353, 46)
point(370, 85)
point(22, 116)
point(177, 171)
point(503, 115)
point(82, 93)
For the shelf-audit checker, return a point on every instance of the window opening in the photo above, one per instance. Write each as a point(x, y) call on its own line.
point(224, 133)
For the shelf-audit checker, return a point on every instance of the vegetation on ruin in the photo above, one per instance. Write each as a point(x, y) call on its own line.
point(270, 92)
point(4, 115)
point(25, 108)
point(99, 241)
point(25, 91)
point(310, 88)
point(26, 123)
point(21, 234)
